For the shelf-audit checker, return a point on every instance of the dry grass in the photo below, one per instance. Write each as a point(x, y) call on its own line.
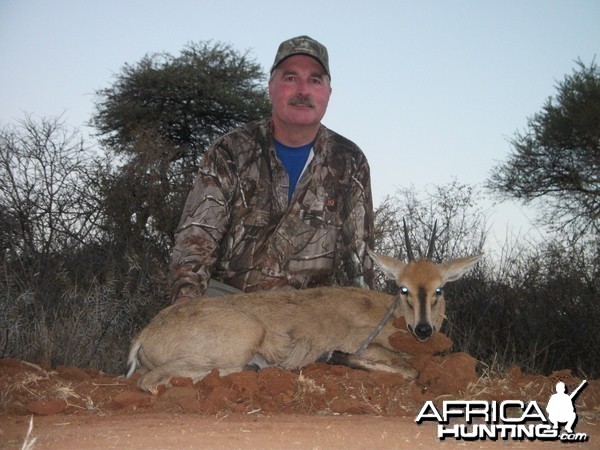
point(308, 385)
point(25, 382)
point(29, 441)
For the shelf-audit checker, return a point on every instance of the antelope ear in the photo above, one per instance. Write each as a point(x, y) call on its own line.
point(391, 267)
point(456, 268)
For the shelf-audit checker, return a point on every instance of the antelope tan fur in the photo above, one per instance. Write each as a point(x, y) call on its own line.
point(292, 328)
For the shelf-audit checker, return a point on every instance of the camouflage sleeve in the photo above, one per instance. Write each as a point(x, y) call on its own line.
point(357, 231)
point(204, 221)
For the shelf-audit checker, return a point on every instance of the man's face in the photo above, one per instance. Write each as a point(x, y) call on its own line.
point(299, 92)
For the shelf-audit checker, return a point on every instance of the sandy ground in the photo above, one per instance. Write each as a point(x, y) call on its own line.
point(235, 431)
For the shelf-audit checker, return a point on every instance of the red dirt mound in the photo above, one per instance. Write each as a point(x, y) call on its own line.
point(316, 390)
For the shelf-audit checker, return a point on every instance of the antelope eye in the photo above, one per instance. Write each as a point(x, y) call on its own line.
point(403, 290)
point(439, 291)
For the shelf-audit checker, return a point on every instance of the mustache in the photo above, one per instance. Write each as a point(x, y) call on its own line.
point(301, 100)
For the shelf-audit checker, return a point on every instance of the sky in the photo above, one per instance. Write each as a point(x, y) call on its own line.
point(432, 91)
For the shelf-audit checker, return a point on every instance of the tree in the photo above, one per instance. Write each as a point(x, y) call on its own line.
point(186, 100)
point(45, 200)
point(461, 226)
point(158, 117)
point(556, 160)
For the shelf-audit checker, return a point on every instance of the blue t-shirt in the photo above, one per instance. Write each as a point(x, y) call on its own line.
point(293, 159)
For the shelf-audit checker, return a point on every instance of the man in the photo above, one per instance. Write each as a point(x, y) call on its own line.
point(279, 203)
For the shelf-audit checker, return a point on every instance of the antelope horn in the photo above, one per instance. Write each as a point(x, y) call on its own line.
point(431, 242)
point(407, 241)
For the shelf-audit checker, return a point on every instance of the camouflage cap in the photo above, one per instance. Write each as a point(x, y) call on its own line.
point(302, 45)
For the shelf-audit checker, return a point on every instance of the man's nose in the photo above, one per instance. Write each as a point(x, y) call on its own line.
point(302, 87)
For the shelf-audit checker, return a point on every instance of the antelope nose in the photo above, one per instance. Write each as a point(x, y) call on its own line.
point(423, 331)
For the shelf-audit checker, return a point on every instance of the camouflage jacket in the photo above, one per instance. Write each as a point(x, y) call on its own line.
point(238, 227)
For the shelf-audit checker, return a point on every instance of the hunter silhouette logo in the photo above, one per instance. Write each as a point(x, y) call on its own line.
point(509, 419)
point(560, 406)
